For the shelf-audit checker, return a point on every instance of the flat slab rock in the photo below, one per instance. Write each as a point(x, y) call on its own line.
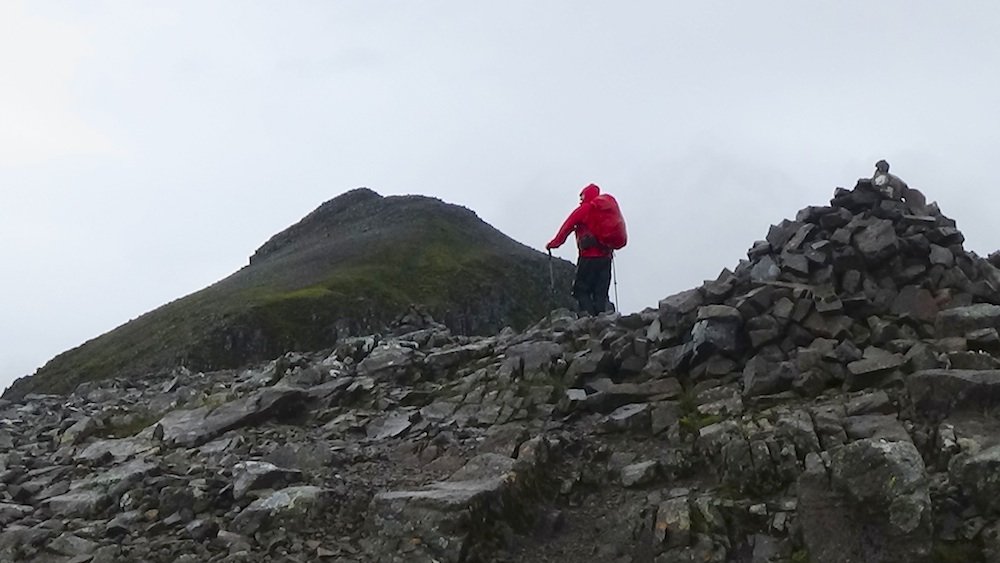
point(191, 428)
point(251, 475)
point(390, 426)
point(119, 449)
point(439, 514)
point(284, 506)
point(483, 475)
point(10, 512)
point(79, 504)
point(446, 496)
point(961, 320)
point(944, 391)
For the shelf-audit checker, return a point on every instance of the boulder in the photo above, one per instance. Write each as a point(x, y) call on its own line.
point(674, 307)
point(960, 321)
point(628, 418)
point(393, 360)
point(118, 450)
point(872, 505)
point(876, 362)
point(289, 507)
point(609, 395)
point(877, 241)
point(762, 376)
point(444, 521)
point(640, 474)
point(79, 432)
point(391, 425)
point(79, 504)
point(976, 473)
point(765, 270)
point(252, 475)
point(190, 428)
point(940, 392)
point(887, 480)
point(10, 512)
point(72, 545)
point(915, 303)
point(673, 523)
point(449, 358)
point(717, 329)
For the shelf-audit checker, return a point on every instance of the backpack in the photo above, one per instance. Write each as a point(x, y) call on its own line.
point(605, 221)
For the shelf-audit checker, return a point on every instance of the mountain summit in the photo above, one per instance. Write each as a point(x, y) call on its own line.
point(350, 267)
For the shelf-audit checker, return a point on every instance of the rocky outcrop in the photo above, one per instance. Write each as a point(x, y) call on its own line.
point(831, 399)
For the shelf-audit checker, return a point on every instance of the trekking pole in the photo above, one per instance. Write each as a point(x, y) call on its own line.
point(552, 286)
point(552, 278)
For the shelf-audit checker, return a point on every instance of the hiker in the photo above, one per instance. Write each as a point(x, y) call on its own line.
point(894, 187)
point(596, 212)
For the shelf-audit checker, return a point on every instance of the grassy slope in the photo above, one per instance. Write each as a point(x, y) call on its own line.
point(353, 267)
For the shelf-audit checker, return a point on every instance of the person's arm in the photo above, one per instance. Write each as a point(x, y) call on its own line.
point(574, 219)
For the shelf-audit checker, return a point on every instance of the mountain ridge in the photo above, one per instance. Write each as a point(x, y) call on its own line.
point(349, 267)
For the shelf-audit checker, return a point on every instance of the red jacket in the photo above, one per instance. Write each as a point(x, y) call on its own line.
point(577, 222)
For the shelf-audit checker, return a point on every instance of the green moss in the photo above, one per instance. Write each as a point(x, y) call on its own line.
point(687, 402)
point(314, 292)
point(137, 423)
point(213, 401)
point(693, 423)
point(692, 420)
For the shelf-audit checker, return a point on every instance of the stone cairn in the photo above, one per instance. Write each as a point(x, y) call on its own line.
point(832, 399)
point(849, 295)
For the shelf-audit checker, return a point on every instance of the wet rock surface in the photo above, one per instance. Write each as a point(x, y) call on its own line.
point(813, 404)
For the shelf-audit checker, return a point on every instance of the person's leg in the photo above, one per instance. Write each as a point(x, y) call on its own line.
point(583, 286)
point(579, 285)
point(602, 283)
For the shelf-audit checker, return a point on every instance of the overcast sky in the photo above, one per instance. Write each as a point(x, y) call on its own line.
point(148, 148)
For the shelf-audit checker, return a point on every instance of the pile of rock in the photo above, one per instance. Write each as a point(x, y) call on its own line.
point(831, 399)
point(850, 295)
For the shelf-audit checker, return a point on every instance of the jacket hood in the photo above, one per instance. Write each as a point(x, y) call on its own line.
point(589, 193)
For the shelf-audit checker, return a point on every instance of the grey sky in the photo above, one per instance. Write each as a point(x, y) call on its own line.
point(147, 148)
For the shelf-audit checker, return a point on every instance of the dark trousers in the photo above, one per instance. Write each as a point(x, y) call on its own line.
point(593, 278)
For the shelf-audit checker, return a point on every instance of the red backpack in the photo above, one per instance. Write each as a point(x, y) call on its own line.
point(606, 222)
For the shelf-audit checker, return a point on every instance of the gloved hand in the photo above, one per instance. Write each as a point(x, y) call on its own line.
point(552, 244)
